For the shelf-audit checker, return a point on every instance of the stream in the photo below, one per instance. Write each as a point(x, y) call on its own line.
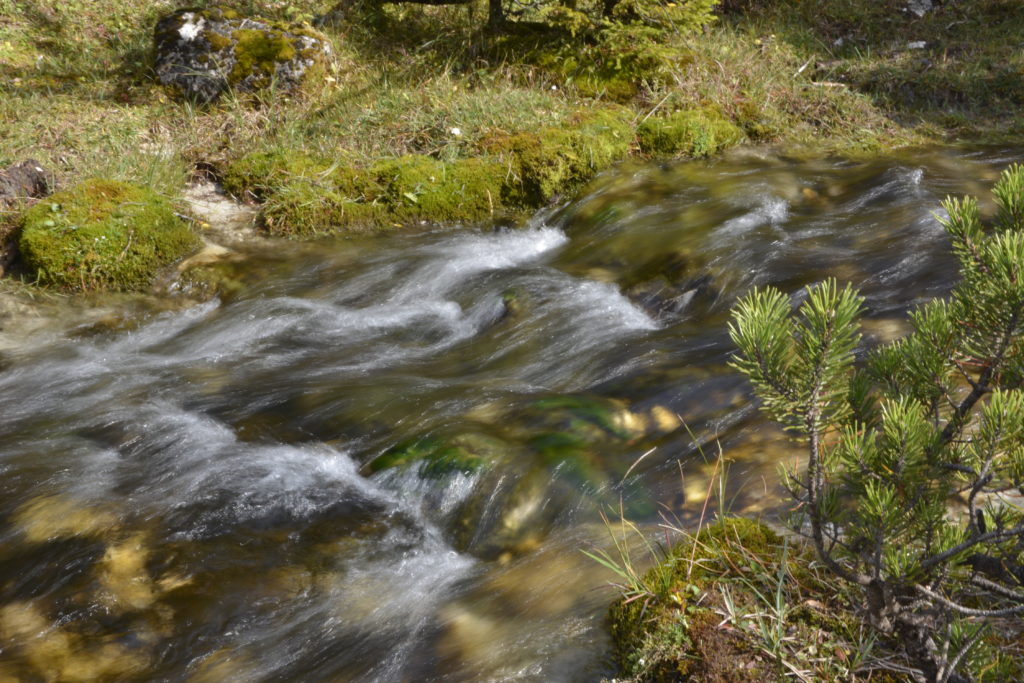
point(379, 458)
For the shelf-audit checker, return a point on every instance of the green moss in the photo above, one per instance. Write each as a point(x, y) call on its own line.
point(606, 60)
point(219, 13)
point(694, 133)
point(423, 188)
point(304, 208)
point(102, 234)
point(216, 40)
point(306, 195)
point(258, 53)
point(560, 159)
point(259, 174)
point(758, 122)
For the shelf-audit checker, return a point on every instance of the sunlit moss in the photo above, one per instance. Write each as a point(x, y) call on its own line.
point(103, 234)
point(693, 133)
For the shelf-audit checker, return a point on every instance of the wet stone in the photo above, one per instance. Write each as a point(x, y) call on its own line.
point(55, 517)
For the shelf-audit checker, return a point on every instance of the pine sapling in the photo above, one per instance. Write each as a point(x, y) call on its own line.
point(915, 450)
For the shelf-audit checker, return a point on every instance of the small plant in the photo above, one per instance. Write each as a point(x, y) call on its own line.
point(915, 456)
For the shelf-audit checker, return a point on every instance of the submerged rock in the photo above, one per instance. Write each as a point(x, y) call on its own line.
point(49, 518)
point(203, 53)
point(438, 457)
point(42, 649)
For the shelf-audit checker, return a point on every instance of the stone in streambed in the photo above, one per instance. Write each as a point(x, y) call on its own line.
point(49, 518)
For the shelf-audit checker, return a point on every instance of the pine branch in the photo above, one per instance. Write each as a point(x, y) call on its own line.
point(998, 589)
point(970, 543)
point(968, 611)
point(955, 423)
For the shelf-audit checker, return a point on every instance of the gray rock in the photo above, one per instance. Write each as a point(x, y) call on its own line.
point(201, 53)
point(27, 180)
point(919, 8)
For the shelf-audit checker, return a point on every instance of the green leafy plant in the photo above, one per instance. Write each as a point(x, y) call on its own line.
point(915, 455)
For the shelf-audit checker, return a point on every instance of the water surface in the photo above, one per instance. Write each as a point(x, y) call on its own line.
point(377, 459)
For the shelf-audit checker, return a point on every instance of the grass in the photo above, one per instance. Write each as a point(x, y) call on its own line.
point(734, 600)
point(818, 77)
point(730, 600)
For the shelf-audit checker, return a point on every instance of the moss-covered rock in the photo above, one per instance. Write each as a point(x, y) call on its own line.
point(260, 174)
point(102, 234)
point(305, 195)
point(693, 133)
point(201, 53)
point(554, 160)
point(309, 209)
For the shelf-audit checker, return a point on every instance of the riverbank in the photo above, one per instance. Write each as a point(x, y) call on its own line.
point(427, 114)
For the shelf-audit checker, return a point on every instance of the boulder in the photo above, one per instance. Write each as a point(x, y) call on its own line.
point(27, 180)
point(201, 53)
point(103, 234)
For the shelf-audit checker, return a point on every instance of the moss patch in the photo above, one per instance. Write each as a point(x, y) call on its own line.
point(423, 188)
point(700, 613)
point(102, 234)
point(306, 195)
point(694, 133)
point(259, 52)
point(559, 159)
point(257, 175)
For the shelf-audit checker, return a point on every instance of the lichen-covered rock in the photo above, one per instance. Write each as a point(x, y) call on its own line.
point(201, 53)
point(103, 234)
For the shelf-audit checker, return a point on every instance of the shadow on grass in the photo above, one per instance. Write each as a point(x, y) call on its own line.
point(959, 66)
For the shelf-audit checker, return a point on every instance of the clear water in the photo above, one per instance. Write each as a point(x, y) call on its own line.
point(203, 494)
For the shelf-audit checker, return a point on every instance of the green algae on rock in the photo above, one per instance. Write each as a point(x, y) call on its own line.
point(203, 53)
point(438, 457)
point(102, 234)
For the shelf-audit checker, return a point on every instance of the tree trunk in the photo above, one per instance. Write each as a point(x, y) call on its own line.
point(495, 14)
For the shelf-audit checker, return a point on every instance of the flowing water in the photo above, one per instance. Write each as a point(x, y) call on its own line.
point(378, 459)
